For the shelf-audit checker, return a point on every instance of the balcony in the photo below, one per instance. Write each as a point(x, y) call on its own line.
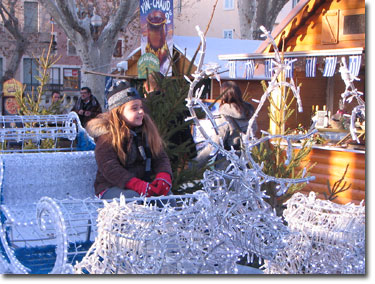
point(47, 88)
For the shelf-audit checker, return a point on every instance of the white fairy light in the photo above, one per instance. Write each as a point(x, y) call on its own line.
point(349, 94)
point(326, 238)
point(206, 234)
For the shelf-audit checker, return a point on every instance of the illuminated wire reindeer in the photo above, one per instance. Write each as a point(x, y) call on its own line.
point(238, 166)
point(227, 219)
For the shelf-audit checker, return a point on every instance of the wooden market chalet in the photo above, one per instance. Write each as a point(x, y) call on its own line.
point(324, 31)
point(321, 30)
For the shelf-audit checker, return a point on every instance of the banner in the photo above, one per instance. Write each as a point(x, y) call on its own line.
point(249, 69)
point(156, 20)
point(330, 66)
point(310, 69)
point(355, 64)
point(290, 71)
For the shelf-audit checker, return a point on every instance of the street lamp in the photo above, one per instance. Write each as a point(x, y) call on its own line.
point(96, 22)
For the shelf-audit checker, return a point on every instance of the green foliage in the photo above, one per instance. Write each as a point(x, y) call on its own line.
point(168, 110)
point(29, 104)
point(273, 153)
point(337, 188)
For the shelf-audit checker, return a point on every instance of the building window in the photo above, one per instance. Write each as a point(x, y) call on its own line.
point(71, 78)
point(118, 49)
point(179, 6)
point(54, 78)
point(30, 72)
point(352, 24)
point(71, 48)
point(295, 2)
point(228, 34)
point(30, 14)
point(228, 4)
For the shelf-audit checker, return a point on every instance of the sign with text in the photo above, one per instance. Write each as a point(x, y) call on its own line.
point(12, 86)
point(156, 20)
point(148, 62)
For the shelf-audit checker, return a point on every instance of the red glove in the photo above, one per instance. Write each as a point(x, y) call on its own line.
point(140, 186)
point(162, 184)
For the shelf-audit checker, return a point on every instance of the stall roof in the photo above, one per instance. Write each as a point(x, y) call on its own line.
point(187, 45)
point(327, 52)
point(289, 26)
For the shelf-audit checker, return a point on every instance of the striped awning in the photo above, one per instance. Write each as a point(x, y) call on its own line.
point(310, 57)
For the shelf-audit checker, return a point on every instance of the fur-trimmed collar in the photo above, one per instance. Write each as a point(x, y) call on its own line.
point(98, 126)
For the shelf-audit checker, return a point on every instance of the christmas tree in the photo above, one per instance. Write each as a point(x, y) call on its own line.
point(167, 108)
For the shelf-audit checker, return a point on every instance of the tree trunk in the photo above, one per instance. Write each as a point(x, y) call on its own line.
point(256, 13)
point(94, 49)
point(247, 10)
point(97, 59)
point(10, 21)
point(15, 60)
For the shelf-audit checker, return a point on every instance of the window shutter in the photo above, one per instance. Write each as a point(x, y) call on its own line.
point(71, 48)
point(118, 49)
point(330, 27)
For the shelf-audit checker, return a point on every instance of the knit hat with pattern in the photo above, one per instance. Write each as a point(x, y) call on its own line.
point(121, 93)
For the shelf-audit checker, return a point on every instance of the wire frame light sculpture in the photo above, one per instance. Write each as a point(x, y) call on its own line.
point(145, 239)
point(238, 165)
point(228, 218)
point(205, 234)
point(326, 238)
point(19, 132)
point(351, 93)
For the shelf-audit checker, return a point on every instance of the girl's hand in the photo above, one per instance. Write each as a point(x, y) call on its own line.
point(140, 186)
point(162, 184)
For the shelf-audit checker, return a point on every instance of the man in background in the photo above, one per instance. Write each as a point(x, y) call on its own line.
point(87, 106)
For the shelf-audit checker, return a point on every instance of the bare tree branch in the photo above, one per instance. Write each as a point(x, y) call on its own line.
point(256, 13)
point(125, 13)
point(64, 13)
point(11, 24)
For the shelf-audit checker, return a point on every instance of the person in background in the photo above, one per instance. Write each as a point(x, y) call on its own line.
point(87, 106)
point(233, 119)
point(56, 106)
point(129, 150)
point(56, 96)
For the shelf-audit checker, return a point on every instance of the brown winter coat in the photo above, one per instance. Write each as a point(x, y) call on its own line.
point(110, 170)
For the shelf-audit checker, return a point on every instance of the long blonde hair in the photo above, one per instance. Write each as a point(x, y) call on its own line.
point(120, 133)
